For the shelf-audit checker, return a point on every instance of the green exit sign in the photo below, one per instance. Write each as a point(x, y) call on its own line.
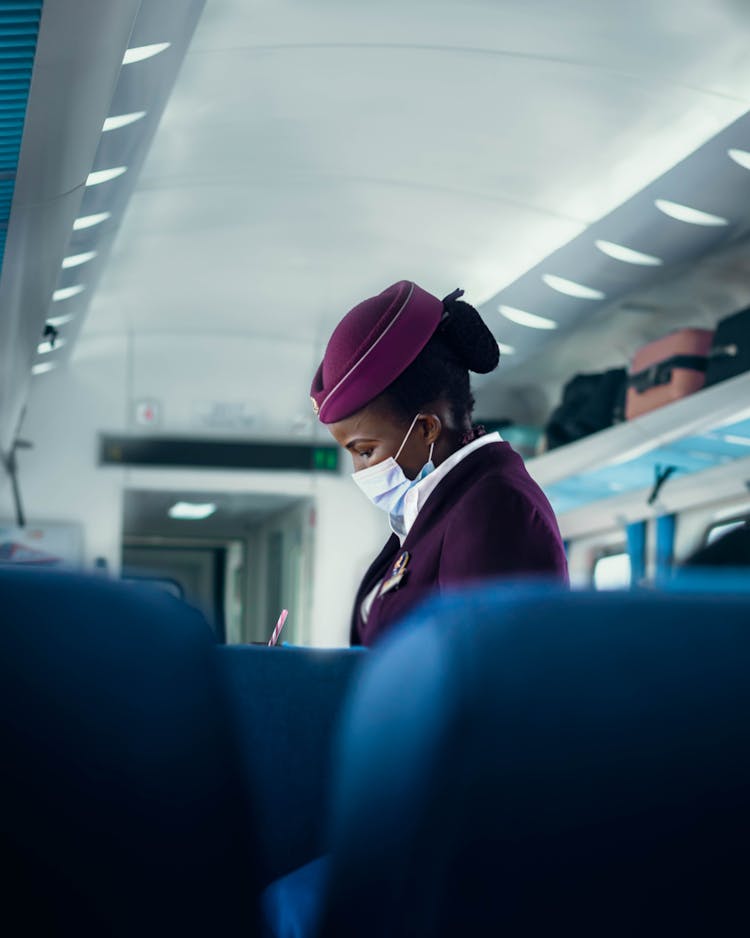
point(326, 458)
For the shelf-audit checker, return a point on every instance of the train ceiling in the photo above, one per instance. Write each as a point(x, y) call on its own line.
point(549, 157)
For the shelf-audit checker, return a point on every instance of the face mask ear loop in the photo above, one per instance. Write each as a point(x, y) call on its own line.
point(408, 432)
point(432, 447)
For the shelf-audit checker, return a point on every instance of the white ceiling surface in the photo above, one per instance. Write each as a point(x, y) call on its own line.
point(311, 154)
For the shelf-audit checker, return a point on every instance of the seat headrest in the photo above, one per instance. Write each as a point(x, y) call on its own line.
point(122, 800)
point(527, 758)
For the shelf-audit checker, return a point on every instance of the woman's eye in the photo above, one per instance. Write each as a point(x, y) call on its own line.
point(364, 454)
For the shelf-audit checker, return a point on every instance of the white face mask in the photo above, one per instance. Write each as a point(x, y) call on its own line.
point(386, 485)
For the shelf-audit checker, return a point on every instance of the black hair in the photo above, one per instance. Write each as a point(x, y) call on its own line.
point(461, 343)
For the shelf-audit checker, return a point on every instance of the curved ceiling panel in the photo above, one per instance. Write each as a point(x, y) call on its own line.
point(311, 154)
point(690, 211)
point(78, 53)
point(145, 76)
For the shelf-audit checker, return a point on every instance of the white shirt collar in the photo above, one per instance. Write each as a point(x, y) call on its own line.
point(417, 496)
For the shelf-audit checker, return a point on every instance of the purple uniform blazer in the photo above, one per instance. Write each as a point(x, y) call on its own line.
point(487, 519)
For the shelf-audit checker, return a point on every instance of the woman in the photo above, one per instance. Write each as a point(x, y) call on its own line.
point(393, 388)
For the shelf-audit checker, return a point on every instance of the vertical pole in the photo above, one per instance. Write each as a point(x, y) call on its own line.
point(636, 535)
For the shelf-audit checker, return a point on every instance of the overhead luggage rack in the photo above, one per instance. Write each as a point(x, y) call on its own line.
point(706, 435)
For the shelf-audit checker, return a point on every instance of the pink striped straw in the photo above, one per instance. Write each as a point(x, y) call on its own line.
point(279, 627)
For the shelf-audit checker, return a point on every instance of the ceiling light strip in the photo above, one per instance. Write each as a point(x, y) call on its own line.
point(627, 255)
point(570, 288)
point(75, 260)
point(88, 221)
point(139, 53)
point(741, 157)
point(522, 318)
point(689, 215)
point(121, 120)
point(99, 176)
point(65, 293)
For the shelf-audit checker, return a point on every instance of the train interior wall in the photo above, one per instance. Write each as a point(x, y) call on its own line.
point(61, 480)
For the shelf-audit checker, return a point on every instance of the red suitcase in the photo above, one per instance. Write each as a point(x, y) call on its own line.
point(667, 369)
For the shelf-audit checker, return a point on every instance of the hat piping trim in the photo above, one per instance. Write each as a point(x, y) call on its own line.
point(356, 365)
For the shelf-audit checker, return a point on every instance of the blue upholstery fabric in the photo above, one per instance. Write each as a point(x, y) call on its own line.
point(291, 906)
point(122, 803)
point(708, 580)
point(540, 762)
point(285, 704)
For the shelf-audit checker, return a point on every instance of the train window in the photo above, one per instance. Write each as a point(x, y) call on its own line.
point(612, 571)
point(719, 530)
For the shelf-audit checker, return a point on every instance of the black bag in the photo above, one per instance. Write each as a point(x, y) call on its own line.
point(730, 350)
point(589, 403)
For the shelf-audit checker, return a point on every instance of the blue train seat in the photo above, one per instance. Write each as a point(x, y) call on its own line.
point(285, 705)
point(123, 804)
point(539, 762)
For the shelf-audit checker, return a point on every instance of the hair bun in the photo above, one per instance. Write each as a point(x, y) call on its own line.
point(469, 339)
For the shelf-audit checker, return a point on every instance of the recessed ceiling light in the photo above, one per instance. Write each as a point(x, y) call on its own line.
point(522, 318)
point(65, 293)
point(139, 53)
point(58, 321)
point(122, 120)
point(620, 253)
point(75, 260)
point(45, 347)
point(43, 367)
point(104, 175)
point(506, 349)
point(88, 221)
point(690, 215)
point(192, 511)
point(741, 156)
point(571, 288)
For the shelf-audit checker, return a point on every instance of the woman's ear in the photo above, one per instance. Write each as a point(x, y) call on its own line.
point(432, 427)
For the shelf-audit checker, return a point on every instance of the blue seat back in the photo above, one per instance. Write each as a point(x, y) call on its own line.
point(533, 762)
point(122, 805)
point(285, 705)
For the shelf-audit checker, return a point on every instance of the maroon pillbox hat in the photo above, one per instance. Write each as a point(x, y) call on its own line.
point(373, 344)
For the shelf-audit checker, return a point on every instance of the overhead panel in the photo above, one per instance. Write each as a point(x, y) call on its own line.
point(158, 41)
point(695, 208)
point(681, 457)
point(19, 29)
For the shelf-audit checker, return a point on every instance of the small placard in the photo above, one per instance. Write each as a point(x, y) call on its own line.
point(147, 413)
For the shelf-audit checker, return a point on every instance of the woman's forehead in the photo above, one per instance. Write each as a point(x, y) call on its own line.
point(373, 422)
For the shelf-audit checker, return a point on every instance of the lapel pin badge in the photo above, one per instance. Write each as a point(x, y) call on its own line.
point(397, 574)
